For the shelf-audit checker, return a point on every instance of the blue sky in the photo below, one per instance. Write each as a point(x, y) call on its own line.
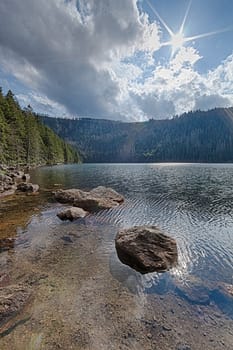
point(107, 59)
point(204, 16)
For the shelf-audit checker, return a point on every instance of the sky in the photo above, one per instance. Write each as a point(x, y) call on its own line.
point(129, 60)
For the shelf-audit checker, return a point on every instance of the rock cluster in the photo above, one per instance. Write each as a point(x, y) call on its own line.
point(84, 202)
point(146, 249)
point(12, 179)
point(99, 198)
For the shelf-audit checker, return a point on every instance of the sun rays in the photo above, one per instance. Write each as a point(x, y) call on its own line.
point(178, 40)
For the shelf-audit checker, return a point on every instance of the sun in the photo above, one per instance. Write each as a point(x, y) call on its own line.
point(177, 41)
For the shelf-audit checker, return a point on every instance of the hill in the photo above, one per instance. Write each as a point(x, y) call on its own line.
point(24, 140)
point(193, 137)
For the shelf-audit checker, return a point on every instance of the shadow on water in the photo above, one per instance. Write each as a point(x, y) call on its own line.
point(193, 290)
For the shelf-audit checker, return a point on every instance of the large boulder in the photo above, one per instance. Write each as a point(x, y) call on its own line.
point(146, 249)
point(72, 213)
point(99, 198)
point(27, 187)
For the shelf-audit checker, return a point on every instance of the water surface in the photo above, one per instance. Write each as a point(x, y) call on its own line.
point(193, 203)
point(85, 298)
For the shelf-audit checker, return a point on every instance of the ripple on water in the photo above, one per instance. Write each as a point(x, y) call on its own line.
point(192, 203)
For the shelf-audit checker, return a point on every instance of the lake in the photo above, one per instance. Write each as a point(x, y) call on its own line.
point(86, 298)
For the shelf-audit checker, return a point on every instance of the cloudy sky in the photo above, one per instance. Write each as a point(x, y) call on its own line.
point(117, 59)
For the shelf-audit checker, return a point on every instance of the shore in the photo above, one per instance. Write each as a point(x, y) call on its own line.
point(82, 297)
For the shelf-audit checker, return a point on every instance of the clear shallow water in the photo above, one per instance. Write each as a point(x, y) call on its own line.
point(192, 203)
point(83, 297)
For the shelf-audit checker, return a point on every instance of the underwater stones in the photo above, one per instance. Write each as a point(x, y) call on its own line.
point(99, 198)
point(7, 244)
point(72, 213)
point(12, 299)
point(146, 249)
point(194, 290)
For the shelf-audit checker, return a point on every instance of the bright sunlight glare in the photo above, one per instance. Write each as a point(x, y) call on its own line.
point(177, 41)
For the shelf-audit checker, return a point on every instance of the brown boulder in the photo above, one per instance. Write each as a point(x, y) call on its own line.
point(72, 213)
point(146, 249)
point(99, 198)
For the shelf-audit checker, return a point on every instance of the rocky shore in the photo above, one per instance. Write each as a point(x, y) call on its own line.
point(13, 179)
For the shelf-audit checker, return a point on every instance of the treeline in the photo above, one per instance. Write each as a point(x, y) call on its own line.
point(24, 140)
point(193, 137)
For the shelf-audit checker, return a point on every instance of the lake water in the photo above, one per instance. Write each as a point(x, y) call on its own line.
point(191, 202)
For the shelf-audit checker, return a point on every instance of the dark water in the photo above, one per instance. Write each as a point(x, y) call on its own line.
point(192, 203)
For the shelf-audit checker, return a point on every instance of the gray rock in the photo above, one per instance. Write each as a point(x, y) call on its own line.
point(26, 177)
point(72, 213)
point(146, 249)
point(27, 187)
point(108, 193)
point(99, 198)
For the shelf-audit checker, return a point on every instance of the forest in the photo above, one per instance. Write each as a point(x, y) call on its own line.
point(193, 137)
point(24, 140)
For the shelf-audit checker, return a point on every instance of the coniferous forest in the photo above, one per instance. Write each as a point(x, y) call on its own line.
point(24, 140)
point(193, 137)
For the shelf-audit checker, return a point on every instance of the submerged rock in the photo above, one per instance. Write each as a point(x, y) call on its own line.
point(6, 244)
point(72, 213)
point(194, 290)
point(27, 187)
point(99, 198)
point(146, 249)
point(12, 299)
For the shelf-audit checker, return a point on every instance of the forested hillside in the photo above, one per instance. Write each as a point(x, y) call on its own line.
point(24, 140)
point(193, 137)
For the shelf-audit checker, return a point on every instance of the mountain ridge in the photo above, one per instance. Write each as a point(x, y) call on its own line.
point(200, 136)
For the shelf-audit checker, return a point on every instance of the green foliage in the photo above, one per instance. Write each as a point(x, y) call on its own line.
point(193, 137)
point(25, 140)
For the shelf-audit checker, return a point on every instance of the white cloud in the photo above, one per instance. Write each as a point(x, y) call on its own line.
point(178, 87)
point(43, 104)
point(95, 58)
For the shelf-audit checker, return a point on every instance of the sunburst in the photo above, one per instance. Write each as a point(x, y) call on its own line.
point(178, 40)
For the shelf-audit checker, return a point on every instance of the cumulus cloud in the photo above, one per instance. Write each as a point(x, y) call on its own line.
point(65, 49)
point(178, 87)
point(96, 58)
